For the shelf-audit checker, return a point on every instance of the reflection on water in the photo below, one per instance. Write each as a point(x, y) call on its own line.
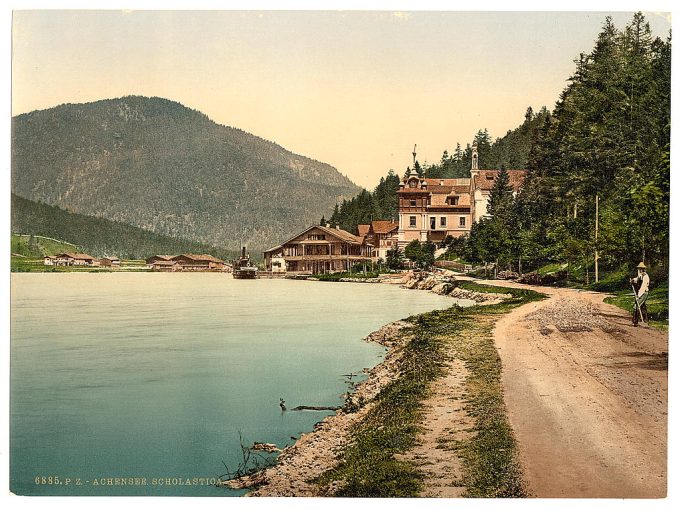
point(154, 375)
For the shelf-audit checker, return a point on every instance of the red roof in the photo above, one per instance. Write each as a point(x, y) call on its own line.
point(486, 178)
point(363, 229)
point(447, 182)
point(381, 226)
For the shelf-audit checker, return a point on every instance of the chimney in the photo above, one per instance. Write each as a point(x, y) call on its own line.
point(337, 226)
point(328, 225)
point(243, 252)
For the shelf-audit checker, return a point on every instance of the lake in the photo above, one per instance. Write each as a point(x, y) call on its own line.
point(120, 379)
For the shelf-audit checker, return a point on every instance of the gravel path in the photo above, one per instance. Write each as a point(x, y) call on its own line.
point(587, 396)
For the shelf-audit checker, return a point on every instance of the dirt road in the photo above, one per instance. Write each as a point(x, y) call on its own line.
point(587, 396)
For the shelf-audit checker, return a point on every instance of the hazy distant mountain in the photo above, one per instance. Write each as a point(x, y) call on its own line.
point(158, 165)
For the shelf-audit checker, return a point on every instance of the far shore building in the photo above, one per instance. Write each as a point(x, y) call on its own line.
point(157, 258)
point(432, 209)
point(110, 261)
point(185, 262)
point(165, 266)
point(383, 235)
point(73, 259)
point(319, 250)
point(203, 262)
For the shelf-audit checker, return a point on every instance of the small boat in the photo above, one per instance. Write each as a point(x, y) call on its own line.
point(243, 267)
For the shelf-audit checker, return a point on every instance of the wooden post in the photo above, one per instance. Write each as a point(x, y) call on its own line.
point(597, 225)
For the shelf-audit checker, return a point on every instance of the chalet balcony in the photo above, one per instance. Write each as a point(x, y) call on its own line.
point(352, 257)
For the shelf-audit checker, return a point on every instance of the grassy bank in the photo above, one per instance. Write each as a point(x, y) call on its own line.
point(369, 467)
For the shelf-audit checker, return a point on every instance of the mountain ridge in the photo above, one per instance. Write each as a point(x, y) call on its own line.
point(158, 165)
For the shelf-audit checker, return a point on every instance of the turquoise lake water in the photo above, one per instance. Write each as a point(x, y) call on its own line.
point(153, 376)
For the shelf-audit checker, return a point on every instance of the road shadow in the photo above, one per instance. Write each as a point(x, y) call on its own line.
point(643, 360)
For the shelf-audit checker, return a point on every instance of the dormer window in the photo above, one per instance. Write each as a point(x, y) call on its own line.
point(452, 200)
point(413, 183)
point(441, 182)
point(490, 176)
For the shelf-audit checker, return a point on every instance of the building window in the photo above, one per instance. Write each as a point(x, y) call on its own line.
point(433, 223)
point(412, 183)
point(412, 203)
point(317, 237)
point(412, 221)
point(453, 200)
point(442, 221)
point(461, 221)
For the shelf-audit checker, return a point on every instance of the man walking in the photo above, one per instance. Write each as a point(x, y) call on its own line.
point(641, 288)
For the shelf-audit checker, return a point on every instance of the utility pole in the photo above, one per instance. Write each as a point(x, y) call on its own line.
point(597, 224)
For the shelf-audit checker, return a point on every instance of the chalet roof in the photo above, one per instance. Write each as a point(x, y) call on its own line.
point(76, 256)
point(363, 229)
point(198, 257)
point(486, 178)
point(381, 226)
point(111, 258)
point(335, 232)
point(342, 235)
point(160, 257)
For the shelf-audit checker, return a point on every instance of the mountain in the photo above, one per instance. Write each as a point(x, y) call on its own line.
point(160, 166)
point(95, 236)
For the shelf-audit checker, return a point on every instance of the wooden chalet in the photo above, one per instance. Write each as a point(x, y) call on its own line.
point(319, 250)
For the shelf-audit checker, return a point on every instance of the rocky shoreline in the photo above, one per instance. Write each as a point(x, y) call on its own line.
point(318, 451)
point(441, 284)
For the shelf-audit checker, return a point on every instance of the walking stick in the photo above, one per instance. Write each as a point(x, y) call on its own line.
point(637, 304)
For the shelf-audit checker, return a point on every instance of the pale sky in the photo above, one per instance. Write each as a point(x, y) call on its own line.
point(353, 89)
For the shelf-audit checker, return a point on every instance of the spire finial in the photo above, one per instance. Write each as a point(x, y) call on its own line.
point(414, 155)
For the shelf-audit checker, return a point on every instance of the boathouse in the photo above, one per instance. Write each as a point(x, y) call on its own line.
point(195, 262)
point(319, 250)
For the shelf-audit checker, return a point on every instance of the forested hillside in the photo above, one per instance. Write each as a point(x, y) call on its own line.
point(605, 148)
point(96, 236)
point(160, 166)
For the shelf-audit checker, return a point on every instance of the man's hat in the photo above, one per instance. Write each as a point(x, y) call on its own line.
point(641, 265)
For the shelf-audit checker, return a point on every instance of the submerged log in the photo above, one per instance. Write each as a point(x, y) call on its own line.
point(305, 407)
